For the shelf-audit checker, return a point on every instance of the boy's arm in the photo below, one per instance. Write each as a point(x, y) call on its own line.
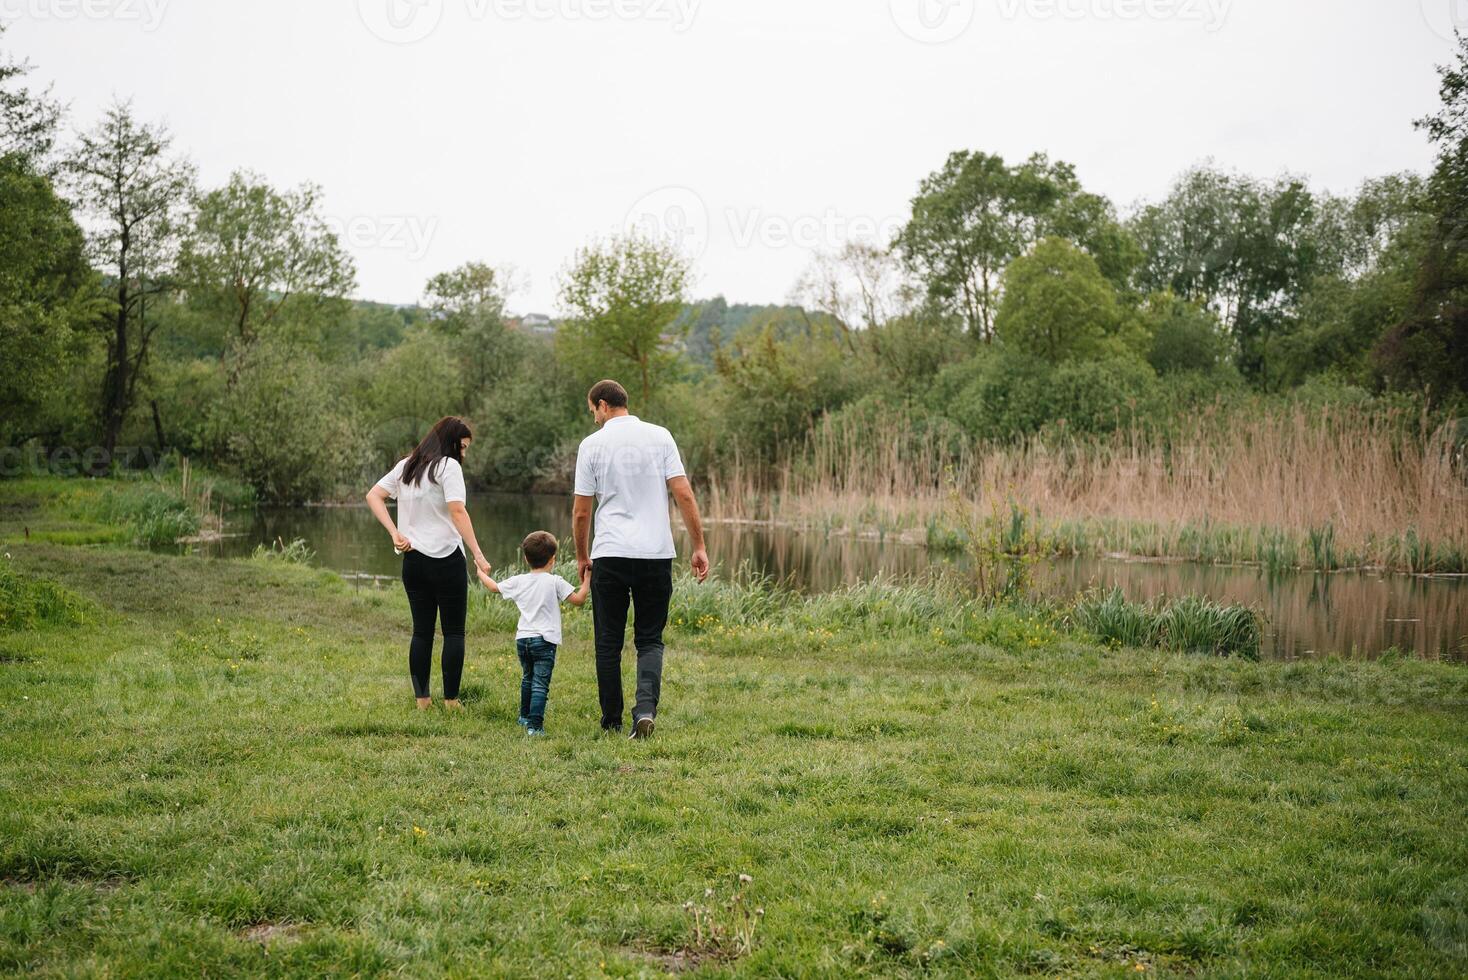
point(578, 598)
point(487, 582)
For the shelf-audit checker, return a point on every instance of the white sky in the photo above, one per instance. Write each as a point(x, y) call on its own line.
point(515, 131)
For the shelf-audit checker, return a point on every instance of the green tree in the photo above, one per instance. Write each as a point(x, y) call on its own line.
point(467, 304)
point(262, 257)
point(407, 389)
point(976, 214)
point(1057, 306)
point(284, 426)
point(28, 120)
point(1245, 248)
point(48, 295)
point(623, 299)
point(134, 189)
point(779, 378)
point(1429, 347)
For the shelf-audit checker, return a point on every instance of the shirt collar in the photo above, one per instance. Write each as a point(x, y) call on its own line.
point(619, 418)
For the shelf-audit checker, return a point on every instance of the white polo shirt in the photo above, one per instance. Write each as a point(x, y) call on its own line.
point(626, 466)
point(423, 507)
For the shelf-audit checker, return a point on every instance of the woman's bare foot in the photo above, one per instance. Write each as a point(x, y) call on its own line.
point(453, 705)
point(425, 703)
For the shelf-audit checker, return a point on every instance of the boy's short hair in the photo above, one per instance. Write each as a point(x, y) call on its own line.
point(608, 391)
point(539, 547)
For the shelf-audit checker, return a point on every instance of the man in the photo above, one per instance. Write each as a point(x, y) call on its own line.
point(629, 467)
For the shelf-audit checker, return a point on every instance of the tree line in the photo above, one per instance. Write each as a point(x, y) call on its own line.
point(139, 308)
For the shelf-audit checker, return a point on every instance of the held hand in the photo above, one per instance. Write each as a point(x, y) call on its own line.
point(585, 573)
point(482, 564)
point(583, 568)
point(700, 563)
point(400, 544)
point(484, 578)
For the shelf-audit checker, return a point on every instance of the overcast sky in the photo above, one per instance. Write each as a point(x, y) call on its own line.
point(514, 131)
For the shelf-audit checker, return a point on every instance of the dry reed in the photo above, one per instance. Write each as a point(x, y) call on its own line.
point(1311, 487)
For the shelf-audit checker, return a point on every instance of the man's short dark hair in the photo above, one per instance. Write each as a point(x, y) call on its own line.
point(539, 547)
point(608, 391)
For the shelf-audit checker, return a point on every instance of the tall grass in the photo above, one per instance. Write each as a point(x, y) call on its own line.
point(1288, 487)
point(1190, 624)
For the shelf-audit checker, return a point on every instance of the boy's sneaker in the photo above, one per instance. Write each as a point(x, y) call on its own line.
point(523, 722)
point(642, 728)
point(534, 731)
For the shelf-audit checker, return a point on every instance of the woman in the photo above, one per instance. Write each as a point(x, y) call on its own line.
point(430, 534)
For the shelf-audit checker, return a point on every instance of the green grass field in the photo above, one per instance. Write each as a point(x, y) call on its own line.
point(214, 768)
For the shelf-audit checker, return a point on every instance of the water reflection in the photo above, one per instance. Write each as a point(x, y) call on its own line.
point(1310, 615)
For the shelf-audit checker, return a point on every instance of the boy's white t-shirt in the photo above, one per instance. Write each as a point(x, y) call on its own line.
point(423, 507)
point(626, 466)
point(539, 596)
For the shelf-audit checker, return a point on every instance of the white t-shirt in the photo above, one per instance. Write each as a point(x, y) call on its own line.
point(626, 466)
point(423, 507)
point(539, 596)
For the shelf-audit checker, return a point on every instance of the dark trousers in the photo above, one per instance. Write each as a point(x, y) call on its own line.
point(537, 663)
point(438, 589)
point(647, 585)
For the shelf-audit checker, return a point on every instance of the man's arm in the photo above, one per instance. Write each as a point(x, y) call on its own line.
point(682, 493)
point(581, 532)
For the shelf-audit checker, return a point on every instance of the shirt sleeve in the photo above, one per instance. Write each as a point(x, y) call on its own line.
point(452, 480)
point(563, 588)
point(510, 587)
point(392, 480)
point(672, 461)
point(586, 470)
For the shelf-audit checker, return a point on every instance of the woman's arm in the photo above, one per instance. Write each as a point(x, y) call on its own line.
point(459, 514)
point(377, 503)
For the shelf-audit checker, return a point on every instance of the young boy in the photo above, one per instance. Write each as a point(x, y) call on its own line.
point(539, 595)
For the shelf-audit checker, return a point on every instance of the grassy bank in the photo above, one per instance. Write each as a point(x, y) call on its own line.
point(139, 508)
point(215, 767)
point(1318, 489)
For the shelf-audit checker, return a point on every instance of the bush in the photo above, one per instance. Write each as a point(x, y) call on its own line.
point(283, 426)
point(1101, 396)
point(523, 427)
point(1001, 395)
point(1185, 337)
point(28, 602)
point(153, 512)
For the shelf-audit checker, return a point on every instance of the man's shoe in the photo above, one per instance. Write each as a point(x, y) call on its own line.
point(523, 722)
point(537, 732)
point(642, 728)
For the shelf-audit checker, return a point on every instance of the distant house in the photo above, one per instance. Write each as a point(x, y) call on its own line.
point(537, 323)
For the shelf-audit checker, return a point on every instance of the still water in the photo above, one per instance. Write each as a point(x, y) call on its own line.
point(1308, 615)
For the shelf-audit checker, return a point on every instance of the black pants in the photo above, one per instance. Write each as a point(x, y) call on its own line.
point(438, 588)
point(647, 583)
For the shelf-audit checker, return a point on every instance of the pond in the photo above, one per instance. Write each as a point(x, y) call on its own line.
point(1354, 614)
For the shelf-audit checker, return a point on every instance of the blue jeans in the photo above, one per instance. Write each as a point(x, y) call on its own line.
point(537, 661)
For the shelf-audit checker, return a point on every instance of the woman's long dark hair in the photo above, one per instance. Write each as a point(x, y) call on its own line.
point(444, 441)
